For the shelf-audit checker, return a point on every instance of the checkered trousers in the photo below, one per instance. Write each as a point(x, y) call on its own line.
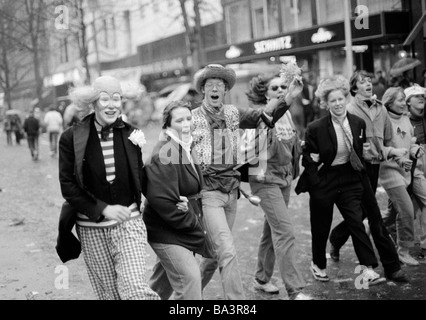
point(115, 260)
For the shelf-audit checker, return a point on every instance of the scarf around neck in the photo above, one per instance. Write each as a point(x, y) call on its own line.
point(185, 145)
point(217, 116)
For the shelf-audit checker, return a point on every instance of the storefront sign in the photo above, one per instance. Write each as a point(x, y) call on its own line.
point(233, 52)
point(323, 35)
point(277, 44)
point(381, 25)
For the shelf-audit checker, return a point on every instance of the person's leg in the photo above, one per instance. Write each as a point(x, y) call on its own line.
point(182, 271)
point(219, 216)
point(265, 255)
point(159, 282)
point(282, 235)
point(30, 141)
point(382, 240)
point(9, 137)
point(403, 205)
point(340, 234)
point(349, 204)
point(99, 263)
point(36, 147)
point(321, 204)
point(127, 246)
point(419, 190)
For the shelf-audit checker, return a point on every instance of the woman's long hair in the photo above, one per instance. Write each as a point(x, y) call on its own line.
point(258, 87)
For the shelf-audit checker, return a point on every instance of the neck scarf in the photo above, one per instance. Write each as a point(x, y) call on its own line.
point(185, 145)
point(353, 157)
point(216, 116)
point(105, 131)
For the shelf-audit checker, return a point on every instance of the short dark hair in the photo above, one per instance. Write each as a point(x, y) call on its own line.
point(359, 74)
point(167, 112)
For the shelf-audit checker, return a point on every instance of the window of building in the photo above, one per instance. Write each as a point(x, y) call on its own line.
point(238, 26)
point(297, 14)
point(330, 11)
point(265, 16)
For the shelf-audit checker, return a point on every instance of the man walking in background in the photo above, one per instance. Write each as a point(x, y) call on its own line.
point(54, 124)
point(32, 129)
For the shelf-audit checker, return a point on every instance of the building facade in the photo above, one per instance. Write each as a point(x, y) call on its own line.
point(268, 32)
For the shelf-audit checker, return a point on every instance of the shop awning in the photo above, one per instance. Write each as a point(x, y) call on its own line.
point(413, 34)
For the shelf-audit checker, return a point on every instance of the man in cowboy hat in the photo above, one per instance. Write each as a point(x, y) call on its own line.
point(216, 138)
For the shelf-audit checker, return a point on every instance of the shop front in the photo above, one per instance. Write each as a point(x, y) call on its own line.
point(321, 50)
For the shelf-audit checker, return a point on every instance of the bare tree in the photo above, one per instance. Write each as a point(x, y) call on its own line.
point(14, 66)
point(193, 33)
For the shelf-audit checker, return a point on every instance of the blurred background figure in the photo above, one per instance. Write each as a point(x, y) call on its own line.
point(17, 128)
point(54, 124)
point(32, 129)
point(8, 130)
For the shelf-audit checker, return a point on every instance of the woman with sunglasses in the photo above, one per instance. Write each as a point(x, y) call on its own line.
point(271, 181)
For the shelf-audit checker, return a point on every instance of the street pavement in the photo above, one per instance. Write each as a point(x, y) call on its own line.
point(30, 202)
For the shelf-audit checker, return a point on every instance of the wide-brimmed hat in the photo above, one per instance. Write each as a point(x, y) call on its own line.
point(214, 71)
point(414, 91)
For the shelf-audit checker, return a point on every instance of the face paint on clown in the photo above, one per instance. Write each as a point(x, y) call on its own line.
point(108, 107)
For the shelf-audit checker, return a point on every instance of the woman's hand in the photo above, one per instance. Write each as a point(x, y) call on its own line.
point(183, 205)
point(294, 90)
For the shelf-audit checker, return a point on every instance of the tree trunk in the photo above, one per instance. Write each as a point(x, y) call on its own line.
point(84, 51)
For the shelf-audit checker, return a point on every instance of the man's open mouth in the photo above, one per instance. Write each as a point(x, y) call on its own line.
point(214, 97)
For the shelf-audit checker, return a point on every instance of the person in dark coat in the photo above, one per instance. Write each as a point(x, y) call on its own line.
point(333, 176)
point(32, 129)
point(100, 173)
point(175, 228)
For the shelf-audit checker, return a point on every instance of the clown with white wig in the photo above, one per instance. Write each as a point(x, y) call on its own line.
point(100, 173)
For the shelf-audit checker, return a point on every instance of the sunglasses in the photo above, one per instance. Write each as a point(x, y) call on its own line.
point(275, 88)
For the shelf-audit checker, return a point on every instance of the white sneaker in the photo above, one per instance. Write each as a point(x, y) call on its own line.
point(408, 260)
point(267, 287)
point(319, 274)
point(302, 296)
point(372, 277)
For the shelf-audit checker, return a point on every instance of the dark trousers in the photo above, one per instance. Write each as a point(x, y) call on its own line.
point(341, 186)
point(33, 145)
point(382, 240)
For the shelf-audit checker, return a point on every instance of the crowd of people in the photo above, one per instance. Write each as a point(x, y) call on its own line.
point(182, 201)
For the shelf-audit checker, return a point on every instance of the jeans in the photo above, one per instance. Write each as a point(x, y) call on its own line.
point(278, 241)
point(403, 215)
point(176, 270)
point(419, 188)
point(220, 210)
